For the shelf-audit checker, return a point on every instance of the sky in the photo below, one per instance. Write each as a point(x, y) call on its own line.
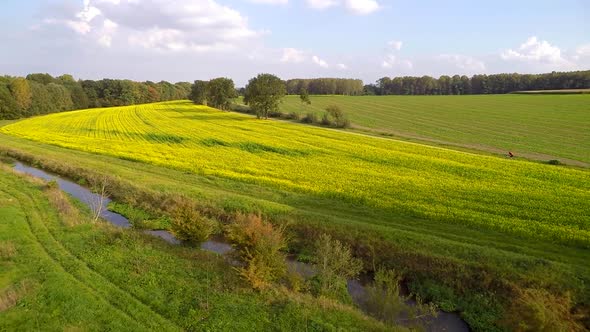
point(186, 40)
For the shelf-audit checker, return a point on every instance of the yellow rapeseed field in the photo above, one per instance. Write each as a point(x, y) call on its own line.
point(517, 197)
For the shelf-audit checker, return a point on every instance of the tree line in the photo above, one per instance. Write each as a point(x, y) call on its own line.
point(325, 86)
point(478, 84)
point(43, 94)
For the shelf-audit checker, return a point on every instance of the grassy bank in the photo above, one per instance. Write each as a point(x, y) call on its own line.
point(476, 270)
point(59, 271)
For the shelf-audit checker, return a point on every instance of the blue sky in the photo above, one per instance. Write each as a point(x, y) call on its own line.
point(367, 39)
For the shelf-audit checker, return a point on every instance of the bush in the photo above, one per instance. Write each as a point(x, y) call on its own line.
point(259, 245)
point(310, 118)
point(294, 116)
point(345, 123)
point(295, 281)
point(241, 108)
point(6, 159)
point(52, 185)
point(335, 117)
point(187, 223)
point(554, 162)
point(326, 121)
point(385, 303)
point(335, 111)
point(275, 114)
point(335, 266)
point(539, 310)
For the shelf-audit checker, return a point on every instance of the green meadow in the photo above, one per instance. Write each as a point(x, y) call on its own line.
point(539, 127)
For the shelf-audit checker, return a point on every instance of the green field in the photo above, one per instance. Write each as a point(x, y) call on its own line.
point(468, 230)
point(555, 92)
point(60, 272)
point(540, 127)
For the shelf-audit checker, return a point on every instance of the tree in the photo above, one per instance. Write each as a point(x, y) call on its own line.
point(97, 200)
point(152, 94)
point(183, 90)
point(264, 93)
point(198, 92)
point(370, 90)
point(40, 78)
point(444, 83)
point(8, 106)
point(304, 96)
point(220, 93)
point(77, 93)
point(60, 97)
point(41, 102)
point(335, 264)
point(21, 91)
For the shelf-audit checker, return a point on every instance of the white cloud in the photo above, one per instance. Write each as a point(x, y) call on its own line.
point(582, 51)
point(464, 62)
point(192, 25)
point(110, 25)
point(535, 50)
point(319, 61)
point(270, 2)
point(80, 27)
point(322, 4)
point(105, 40)
point(392, 61)
point(88, 13)
point(358, 7)
point(361, 7)
point(389, 61)
point(395, 44)
point(293, 55)
point(105, 35)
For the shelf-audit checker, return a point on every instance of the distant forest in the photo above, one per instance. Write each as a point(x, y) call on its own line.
point(478, 84)
point(326, 86)
point(42, 94)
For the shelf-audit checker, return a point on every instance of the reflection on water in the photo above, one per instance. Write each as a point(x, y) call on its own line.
point(216, 247)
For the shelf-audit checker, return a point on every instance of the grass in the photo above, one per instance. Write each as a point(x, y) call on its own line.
point(465, 229)
point(539, 127)
point(58, 276)
point(140, 219)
